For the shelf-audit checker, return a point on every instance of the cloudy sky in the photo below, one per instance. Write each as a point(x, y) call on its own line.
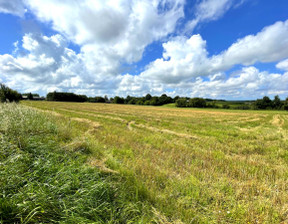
point(225, 49)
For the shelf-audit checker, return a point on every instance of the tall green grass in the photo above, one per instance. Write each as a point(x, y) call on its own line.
point(42, 181)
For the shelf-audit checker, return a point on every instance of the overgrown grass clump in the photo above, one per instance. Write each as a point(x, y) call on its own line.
point(43, 182)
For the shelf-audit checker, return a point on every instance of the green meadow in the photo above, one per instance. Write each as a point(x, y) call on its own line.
point(108, 163)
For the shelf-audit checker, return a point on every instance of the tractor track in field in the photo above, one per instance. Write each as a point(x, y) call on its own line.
point(95, 115)
point(278, 121)
point(131, 124)
point(167, 131)
point(93, 125)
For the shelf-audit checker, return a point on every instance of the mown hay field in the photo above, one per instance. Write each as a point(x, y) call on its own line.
point(192, 165)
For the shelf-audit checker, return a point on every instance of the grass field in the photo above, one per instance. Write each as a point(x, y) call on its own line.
point(46, 175)
point(187, 165)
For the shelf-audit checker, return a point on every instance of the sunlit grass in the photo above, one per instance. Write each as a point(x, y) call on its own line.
point(193, 165)
point(48, 174)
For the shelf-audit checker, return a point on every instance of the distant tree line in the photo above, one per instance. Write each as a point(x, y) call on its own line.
point(146, 100)
point(260, 104)
point(267, 104)
point(197, 102)
point(98, 99)
point(193, 102)
point(9, 95)
point(66, 97)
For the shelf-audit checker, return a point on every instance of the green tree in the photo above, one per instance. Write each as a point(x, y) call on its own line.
point(96, 99)
point(197, 102)
point(148, 97)
point(66, 97)
point(267, 102)
point(212, 104)
point(277, 104)
point(154, 101)
point(128, 98)
point(7, 94)
point(118, 100)
point(106, 98)
point(29, 96)
point(286, 104)
point(133, 101)
point(225, 106)
point(147, 102)
point(176, 98)
point(139, 102)
point(264, 103)
point(182, 102)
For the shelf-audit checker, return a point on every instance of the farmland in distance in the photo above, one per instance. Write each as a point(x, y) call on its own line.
point(193, 165)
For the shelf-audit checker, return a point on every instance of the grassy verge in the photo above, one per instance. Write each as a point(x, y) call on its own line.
point(46, 176)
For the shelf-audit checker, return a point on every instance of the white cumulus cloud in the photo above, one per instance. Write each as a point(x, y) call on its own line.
point(121, 27)
point(48, 62)
point(283, 65)
point(247, 83)
point(269, 45)
point(185, 58)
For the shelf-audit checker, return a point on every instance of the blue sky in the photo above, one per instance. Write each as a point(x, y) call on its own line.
point(225, 49)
